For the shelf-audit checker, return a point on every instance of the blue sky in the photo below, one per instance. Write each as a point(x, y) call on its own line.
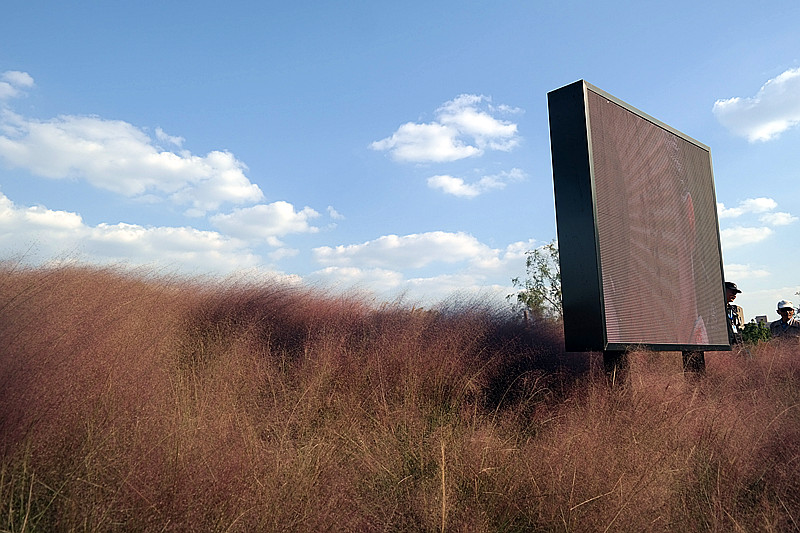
point(400, 148)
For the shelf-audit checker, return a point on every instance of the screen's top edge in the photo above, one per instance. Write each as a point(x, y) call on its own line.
point(589, 87)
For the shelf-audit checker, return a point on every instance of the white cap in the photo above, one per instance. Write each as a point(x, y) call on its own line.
point(785, 304)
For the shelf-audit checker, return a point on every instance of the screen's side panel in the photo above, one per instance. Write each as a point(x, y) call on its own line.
point(658, 237)
point(575, 219)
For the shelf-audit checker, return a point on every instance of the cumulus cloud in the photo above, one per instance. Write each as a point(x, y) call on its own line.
point(454, 186)
point(266, 222)
point(116, 156)
point(459, 187)
point(119, 157)
point(774, 109)
point(381, 266)
point(425, 142)
point(750, 205)
point(778, 219)
point(740, 235)
point(377, 280)
point(400, 252)
point(440, 288)
point(393, 252)
point(282, 253)
point(334, 214)
point(737, 271)
point(41, 234)
point(392, 285)
point(13, 83)
point(464, 115)
point(767, 218)
point(464, 127)
point(162, 136)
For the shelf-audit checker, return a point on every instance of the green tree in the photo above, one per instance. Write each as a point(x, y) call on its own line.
point(755, 332)
point(540, 291)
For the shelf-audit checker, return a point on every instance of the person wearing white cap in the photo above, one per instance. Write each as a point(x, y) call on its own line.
point(788, 325)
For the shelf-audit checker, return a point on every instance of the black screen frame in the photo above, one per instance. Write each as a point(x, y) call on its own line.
point(585, 321)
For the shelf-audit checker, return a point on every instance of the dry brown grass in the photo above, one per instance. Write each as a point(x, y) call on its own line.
point(131, 402)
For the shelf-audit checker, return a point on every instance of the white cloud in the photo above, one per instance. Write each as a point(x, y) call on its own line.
point(283, 253)
point(12, 83)
point(458, 187)
point(464, 116)
point(753, 206)
point(334, 214)
point(425, 142)
point(40, 234)
point(778, 219)
point(773, 110)
point(390, 285)
point(266, 222)
point(464, 127)
point(454, 186)
point(758, 205)
point(750, 205)
point(736, 271)
point(17, 78)
point(400, 252)
point(739, 236)
point(162, 136)
point(440, 288)
point(117, 156)
point(376, 280)
point(509, 261)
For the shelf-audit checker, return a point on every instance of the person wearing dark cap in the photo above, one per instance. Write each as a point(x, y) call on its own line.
point(734, 312)
point(788, 325)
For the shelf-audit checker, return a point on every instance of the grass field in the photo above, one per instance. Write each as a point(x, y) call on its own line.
point(133, 402)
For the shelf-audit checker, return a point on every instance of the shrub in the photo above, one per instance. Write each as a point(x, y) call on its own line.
point(755, 332)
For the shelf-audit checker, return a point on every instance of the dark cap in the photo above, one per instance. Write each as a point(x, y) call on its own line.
point(732, 286)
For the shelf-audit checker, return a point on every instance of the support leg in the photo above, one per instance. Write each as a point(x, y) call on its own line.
point(694, 362)
point(615, 364)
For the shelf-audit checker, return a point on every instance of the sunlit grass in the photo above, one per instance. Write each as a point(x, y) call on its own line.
point(140, 403)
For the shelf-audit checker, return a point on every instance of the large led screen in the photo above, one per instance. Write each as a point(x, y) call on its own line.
point(637, 228)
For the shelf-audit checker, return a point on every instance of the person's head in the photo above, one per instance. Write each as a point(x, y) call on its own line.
point(786, 310)
point(731, 290)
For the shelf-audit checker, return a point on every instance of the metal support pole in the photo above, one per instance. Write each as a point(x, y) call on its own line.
point(694, 361)
point(615, 364)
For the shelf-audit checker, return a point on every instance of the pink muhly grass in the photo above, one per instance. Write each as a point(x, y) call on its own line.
point(131, 401)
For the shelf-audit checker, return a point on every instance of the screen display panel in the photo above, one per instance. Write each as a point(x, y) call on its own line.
point(655, 239)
